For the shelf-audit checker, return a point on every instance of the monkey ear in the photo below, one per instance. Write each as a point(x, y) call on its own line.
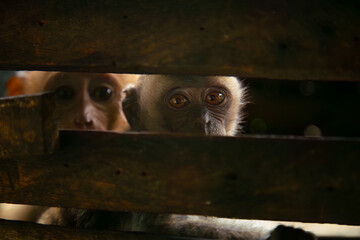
point(131, 108)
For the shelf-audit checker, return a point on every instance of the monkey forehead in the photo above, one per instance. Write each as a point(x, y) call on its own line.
point(188, 81)
point(162, 83)
point(119, 80)
point(35, 81)
point(125, 79)
point(76, 76)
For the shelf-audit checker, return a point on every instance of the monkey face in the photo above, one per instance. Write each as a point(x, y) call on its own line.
point(88, 101)
point(199, 110)
point(199, 105)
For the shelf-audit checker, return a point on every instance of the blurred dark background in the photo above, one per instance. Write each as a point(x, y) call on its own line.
point(4, 77)
point(303, 108)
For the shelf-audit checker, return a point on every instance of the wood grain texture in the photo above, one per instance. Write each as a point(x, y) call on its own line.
point(28, 125)
point(12, 230)
point(281, 39)
point(295, 179)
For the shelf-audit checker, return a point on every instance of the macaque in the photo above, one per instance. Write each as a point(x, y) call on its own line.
point(199, 105)
point(85, 100)
point(185, 104)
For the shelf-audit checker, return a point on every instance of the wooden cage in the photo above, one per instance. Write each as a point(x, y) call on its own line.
point(250, 177)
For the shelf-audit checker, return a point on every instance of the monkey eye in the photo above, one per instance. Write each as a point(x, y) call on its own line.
point(101, 93)
point(215, 97)
point(178, 101)
point(64, 93)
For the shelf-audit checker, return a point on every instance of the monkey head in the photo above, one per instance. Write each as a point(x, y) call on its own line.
point(85, 100)
point(186, 104)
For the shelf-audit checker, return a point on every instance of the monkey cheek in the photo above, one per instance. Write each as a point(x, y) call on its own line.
point(216, 129)
point(114, 120)
point(120, 124)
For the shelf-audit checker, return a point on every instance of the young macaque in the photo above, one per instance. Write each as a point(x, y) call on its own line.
point(199, 105)
point(186, 104)
point(85, 100)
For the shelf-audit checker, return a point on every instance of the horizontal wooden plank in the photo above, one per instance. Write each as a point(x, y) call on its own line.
point(13, 230)
point(279, 39)
point(337, 238)
point(28, 125)
point(296, 179)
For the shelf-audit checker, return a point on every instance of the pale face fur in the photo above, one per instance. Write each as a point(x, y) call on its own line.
point(198, 116)
point(86, 100)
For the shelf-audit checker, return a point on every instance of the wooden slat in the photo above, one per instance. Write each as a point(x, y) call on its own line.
point(28, 125)
point(282, 39)
point(337, 238)
point(311, 180)
point(12, 230)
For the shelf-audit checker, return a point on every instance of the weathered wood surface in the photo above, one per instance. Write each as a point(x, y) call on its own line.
point(12, 230)
point(28, 125)
point(312, 180)
point(282, 39)
point(337, 238)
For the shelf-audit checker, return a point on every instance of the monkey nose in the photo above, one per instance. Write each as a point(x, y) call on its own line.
point(83, 122)
point(202, 125)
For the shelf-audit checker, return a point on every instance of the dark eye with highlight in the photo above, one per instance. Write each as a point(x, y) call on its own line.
point(64, 93)
point(215, 98)
point(178, 101)
point(101, 93)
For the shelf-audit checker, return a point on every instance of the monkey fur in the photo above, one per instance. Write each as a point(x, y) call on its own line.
point(207, 105)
